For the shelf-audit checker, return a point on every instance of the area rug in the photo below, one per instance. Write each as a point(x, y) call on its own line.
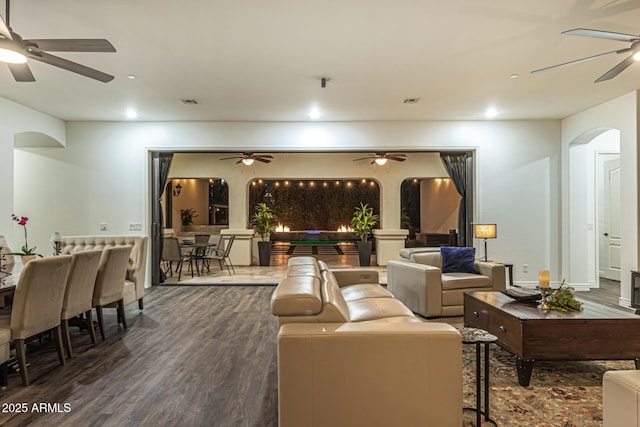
point(560, 394)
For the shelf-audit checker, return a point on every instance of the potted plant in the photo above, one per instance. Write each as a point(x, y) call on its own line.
point(26, 253)
point(263, 221)
point(187, 215)
point(362, 223)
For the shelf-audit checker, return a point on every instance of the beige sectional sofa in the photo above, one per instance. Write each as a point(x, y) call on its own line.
point(350, 354)
point(421, 285)
point(134, 282)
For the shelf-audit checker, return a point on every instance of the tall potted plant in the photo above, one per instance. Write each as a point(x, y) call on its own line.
point(363, 222)
point(264, 221)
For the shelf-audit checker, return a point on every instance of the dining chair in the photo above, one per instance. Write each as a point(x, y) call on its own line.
point(79, 294)
point(223, 256)
point(202, 238)
point(110, 283)
point(37, 304)
point(171, 253)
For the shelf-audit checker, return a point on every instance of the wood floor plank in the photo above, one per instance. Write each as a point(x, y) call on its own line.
point(196, 356)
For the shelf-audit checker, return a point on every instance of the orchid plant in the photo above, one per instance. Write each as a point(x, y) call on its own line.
point(25, 250)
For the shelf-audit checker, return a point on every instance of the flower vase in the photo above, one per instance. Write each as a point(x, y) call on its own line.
point(27, 258)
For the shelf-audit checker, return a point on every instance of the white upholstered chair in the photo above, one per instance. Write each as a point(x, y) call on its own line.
point(109, 285)
point(37, 304)
point(79, 293)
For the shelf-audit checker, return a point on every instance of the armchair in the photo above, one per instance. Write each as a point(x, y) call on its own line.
point(421, 285)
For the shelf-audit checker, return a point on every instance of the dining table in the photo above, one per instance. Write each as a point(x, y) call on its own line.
point(196, 251)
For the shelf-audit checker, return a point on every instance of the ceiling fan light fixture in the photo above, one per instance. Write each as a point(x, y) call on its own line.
point(247, 161)
point(381, 161)
point(10, 54)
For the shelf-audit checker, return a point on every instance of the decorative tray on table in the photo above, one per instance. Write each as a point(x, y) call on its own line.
point(523, 294)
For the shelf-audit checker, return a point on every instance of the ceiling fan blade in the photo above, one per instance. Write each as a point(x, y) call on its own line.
point(363, 158)
point(239, 161)
point(577, 61)
point(260, 159)
point(617, 69)
point(585, 32)
point(229, 158)
point(4, 30)
point(21, 72)
point(72, 45)
point(74, 67)
point(397, 159)
point(264, 156)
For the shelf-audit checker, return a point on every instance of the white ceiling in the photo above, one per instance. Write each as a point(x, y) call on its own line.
point(253, 60)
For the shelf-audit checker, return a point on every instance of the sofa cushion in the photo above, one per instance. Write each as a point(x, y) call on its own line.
point(302, 270)
point(297, 296)
point(335, 308)
point(464, 281)
point(395, 319)
point(405, 253)
point(458, 259)
point(376, 308)
point(364, 290)
point(301, 260)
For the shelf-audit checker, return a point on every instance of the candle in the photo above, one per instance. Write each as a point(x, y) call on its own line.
point(543, 278)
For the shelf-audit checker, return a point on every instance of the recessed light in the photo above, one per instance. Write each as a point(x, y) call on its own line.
point(514, 76)
point(189, 101)
point(131, 77)
point(411, 100)
point(131, 113)
point(491, 112)
point(636, 56)
point(314, 113)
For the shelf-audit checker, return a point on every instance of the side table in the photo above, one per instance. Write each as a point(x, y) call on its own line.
point(478, 337)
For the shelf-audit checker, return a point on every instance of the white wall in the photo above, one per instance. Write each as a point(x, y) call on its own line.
point(102, 174)
point(27, 127)
point(622, 114)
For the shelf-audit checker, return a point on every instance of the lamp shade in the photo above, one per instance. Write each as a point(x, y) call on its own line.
point(485, 231)
point(55, 237)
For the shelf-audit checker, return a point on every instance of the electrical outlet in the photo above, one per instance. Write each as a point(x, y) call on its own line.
point(135, 226)
point(525, 268)
point(103, 226)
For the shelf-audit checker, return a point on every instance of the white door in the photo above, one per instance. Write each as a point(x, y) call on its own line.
point(609, 241)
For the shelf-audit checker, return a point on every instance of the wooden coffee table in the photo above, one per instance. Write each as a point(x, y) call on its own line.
point(595, 333)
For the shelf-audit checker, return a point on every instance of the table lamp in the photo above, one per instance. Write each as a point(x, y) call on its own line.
point(56, 240)
point(485, 231)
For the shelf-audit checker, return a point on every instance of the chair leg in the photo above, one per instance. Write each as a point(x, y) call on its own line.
point(179, 268)
point(121, 314)
point(89, 320)
point(227, 261)
point(57, 336)
point(140, 304)
point(66, 338)
point(4, 375)
point(22, 360)
point(100, 321)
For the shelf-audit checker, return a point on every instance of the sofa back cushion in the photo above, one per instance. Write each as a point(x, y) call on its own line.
point(335, 307)
point(297, 296)
point(433, 259)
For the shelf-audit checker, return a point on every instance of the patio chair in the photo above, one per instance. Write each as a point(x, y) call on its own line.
point(222, 256)
point(171, 253)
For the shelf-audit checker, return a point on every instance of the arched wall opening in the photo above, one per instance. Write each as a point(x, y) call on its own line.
point(589, 234)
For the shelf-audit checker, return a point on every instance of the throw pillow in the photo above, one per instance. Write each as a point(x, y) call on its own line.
point(458, 259)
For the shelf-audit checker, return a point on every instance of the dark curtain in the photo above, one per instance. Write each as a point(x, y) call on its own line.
point(455, 162)
point(164, 165)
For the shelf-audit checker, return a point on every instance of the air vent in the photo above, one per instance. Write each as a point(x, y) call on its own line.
point(411, 100)
point(189, 101)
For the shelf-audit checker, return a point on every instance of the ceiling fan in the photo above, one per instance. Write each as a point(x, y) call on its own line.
point(634, 51)
point(249, 158)
point(14, 50)
point(381, 158)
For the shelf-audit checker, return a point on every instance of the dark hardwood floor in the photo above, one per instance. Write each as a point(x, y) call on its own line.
point(196, 356)
point(607, 294)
